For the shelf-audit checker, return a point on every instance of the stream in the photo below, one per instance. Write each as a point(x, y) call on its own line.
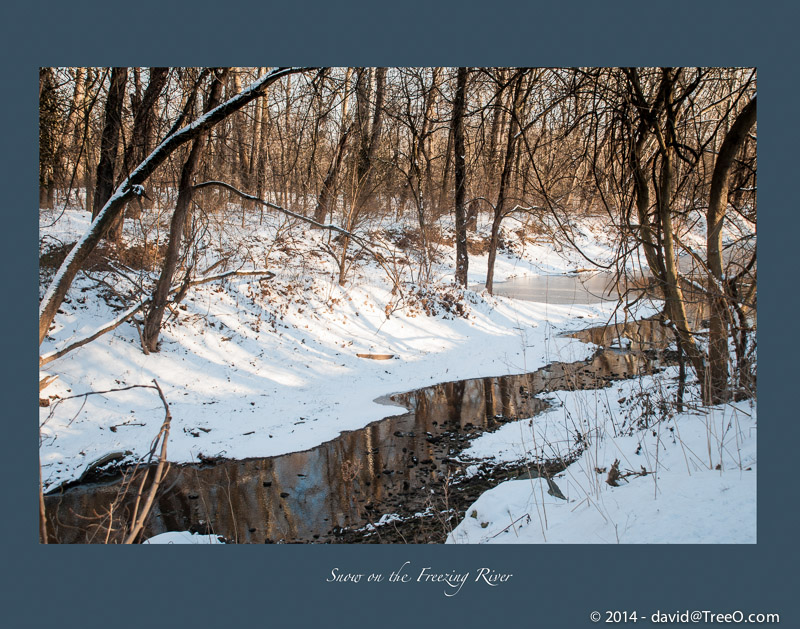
point(580, 288)
point(401, 479)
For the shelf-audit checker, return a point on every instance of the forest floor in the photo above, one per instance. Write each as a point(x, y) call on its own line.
point(259, 367)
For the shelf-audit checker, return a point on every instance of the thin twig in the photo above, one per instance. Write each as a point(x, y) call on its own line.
point(524, 515)
point(42, 513)
point(161, 471)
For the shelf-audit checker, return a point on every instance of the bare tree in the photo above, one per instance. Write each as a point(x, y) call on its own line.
point(459, 106)
point(132, 187)
point(155, 313)
point(520, 93)
point(720, 297)
point(327, 195)
point(368, 138)
point(109, 141)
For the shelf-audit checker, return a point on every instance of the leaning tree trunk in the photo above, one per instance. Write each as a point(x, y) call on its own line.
point(155, 315)
point(718, 300)
point(132, 187)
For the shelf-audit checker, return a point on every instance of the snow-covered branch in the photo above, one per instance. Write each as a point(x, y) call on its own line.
point(132, 187)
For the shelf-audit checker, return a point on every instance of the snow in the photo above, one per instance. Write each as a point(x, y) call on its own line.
point(183, 537)
point(256, 367)
point(700, 485)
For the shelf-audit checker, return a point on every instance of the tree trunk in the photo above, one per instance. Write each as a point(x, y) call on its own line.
point(427, 131)
point(109, 140)
point(73, 129)
point(242, 167)
point(326, 201)
point(368, 149)
point(257, 133)
point(718, 303)
point(505, 179)
point(498, 123)
point(263, 151)
point(675, 303)
point(155, 314)
point(343, 261)
point(144, 119)
point(369, 138)
point(48, 130)
point(143, 122)
point(443, 194)
point(459, 107)
point(87, 168)
point(419, 177)
point(326, 196)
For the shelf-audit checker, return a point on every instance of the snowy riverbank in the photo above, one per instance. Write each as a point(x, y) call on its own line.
point(681, 477)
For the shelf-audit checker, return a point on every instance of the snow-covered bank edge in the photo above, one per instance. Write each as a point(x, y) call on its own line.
point(647, 473)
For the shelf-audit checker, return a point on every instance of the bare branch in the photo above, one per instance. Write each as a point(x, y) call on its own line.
point(379, 258)
point(130, 312)
point(161, 470)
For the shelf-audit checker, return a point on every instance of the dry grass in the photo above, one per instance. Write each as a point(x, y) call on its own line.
point(135, 256)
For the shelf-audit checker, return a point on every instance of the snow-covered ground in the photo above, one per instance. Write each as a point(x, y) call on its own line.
point(260, 367)
point(684, 477)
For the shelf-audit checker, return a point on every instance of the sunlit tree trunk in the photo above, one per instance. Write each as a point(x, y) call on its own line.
point(659, 244)
point(505, 178)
